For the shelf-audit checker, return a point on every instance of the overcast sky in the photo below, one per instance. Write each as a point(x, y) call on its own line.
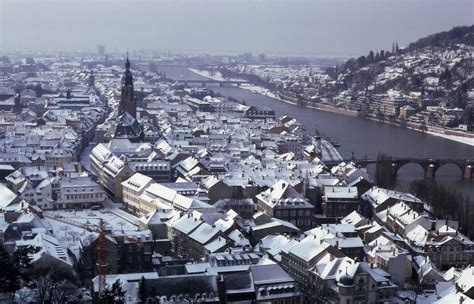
point(283, 27)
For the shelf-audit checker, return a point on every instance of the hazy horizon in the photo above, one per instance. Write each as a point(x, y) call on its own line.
point(275, 27)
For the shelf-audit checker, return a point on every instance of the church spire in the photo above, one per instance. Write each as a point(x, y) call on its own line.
point(127, 63)
point(128, 102)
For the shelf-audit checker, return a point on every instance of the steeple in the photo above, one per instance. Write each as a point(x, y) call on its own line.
point(128, 102)
point(127, 78)
point(127, 63)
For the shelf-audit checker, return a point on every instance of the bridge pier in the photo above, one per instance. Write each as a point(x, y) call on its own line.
point(203, 84)
point(221, 84)
point(467, 174)
point(430, 171)
point(395, 168)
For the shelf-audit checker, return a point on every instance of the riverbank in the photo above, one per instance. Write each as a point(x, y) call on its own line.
point(264, 91)
point(461, 137)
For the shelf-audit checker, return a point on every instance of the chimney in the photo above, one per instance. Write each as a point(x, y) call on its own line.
point(68, 94)
point(283, 185)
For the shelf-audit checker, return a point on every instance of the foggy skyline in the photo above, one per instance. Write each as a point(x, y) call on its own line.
point(300, 27)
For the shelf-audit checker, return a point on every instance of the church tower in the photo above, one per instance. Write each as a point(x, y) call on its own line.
point(128, 102)
point(126, 125)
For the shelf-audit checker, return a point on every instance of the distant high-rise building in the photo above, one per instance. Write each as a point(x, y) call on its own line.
point(247, 57)
point(101, 50)
point(128, 102)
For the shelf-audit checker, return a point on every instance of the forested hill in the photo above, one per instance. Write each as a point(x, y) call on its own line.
point(439, 67)
point(462, 34)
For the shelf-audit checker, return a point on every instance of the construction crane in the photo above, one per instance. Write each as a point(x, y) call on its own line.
point(101, 261)
point(101, 258)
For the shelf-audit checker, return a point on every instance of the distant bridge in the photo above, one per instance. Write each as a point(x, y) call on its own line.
point(171, 65)
point(429, 165)
point(204, 82)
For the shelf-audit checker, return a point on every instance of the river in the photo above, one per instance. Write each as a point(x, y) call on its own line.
point(364, 138)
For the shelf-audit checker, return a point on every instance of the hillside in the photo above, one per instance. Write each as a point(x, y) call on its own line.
point(438, 67)
point(462, 34)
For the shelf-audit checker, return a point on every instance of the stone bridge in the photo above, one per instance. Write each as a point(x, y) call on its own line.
point(429, 165)
point(204, 82)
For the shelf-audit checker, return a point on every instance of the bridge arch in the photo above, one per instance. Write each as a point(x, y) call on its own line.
point(398, 165)
point(429, 166)
point(445, 165)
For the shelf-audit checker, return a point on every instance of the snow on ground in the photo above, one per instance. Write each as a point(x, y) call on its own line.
point(213, 75)
point(259, 90)
point(461, 139)
point(246, 86)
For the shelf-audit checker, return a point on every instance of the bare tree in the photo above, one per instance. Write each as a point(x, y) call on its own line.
point(65, 228)
point(74, 235)
point(53, 285)
point(121, 223)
